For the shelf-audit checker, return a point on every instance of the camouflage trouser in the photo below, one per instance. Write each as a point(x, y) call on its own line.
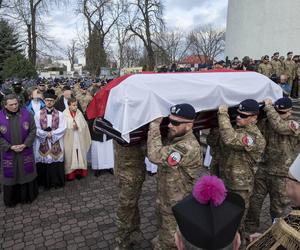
point(167, 226)
point(245, 194)
point(130, 172)
point(214, 167)
point(290, 81)
point(279, 203)
point(169, 191)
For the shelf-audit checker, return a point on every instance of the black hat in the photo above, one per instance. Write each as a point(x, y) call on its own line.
point(49, 93)
point(283, 103)
point(205, 223)
point(16, 82)
point(220, 62)
point(276, 53)
point(66, 88)
point(266, 57)
point(249, 106)
point(183, 110)
point(289, 53)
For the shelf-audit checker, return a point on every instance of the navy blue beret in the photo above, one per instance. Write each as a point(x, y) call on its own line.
point(249, 106)
point(183, 110)
point(283, 103)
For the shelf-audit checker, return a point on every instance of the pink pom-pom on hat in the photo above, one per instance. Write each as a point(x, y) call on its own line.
point(210, 189)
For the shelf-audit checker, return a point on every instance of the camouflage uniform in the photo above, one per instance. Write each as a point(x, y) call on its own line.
point(289, 70)
point(213, 140)
point(265, 69)
point(282, 138)
point(242, 149)
point(130, 173)
point(174, 181)
point(84, 99)
point(277, 67)
point(77, 89)
point(58, 91)
point(298, 77)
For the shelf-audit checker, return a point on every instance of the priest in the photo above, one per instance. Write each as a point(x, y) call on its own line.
point(49, 145)
point(78, 139)
point(17, 134)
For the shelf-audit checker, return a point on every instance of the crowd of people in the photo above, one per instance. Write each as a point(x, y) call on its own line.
point(46, 139)
point(251, 159)
point(284, 71)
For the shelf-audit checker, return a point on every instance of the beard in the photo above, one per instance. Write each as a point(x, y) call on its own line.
point(173, 134)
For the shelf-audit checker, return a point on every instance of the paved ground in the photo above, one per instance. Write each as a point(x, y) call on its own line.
point(79, 216)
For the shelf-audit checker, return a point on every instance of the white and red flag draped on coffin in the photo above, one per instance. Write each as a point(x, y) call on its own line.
point(131, 101)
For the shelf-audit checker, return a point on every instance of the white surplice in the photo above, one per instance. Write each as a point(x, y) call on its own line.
point(102, 154)
point(57, 135)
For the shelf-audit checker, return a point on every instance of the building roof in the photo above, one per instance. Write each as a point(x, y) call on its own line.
point(194, 59)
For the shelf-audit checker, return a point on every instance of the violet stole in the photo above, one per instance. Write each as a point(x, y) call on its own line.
point(55, 151)
point(27, 153)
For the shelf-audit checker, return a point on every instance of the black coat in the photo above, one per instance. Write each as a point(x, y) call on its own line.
point(96, 136)
point(60, 105)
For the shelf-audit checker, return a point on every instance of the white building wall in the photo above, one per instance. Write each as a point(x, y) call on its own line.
point(64, 62)
point(260, 27)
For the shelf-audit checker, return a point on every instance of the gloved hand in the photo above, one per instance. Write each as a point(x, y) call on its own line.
point(223, 108)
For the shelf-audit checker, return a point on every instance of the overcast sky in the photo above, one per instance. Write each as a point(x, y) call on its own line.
point(64, 25)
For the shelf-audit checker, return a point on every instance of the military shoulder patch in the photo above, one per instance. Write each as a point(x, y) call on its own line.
point(247, 140)
point(173, 159)
point(294, 125)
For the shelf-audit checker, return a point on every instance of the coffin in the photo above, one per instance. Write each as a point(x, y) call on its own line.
point(124, 108)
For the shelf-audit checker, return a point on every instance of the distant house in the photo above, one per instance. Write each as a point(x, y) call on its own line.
point(196, 61)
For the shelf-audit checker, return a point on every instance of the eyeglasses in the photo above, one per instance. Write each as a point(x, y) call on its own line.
point(282, 112)
point(177, 123)
point(244, 116)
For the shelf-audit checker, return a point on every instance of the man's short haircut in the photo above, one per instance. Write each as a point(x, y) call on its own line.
point(9, 97)
point(71, 100)
point(35, 88)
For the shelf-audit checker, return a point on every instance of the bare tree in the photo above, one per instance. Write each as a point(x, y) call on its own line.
point(133, 53)
point(71, 52)
point(28, 16)
point(145, 22)
point(122, 35)
point(101, 17)
point(175, 45)
point(3, 3)
point(207, 41)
